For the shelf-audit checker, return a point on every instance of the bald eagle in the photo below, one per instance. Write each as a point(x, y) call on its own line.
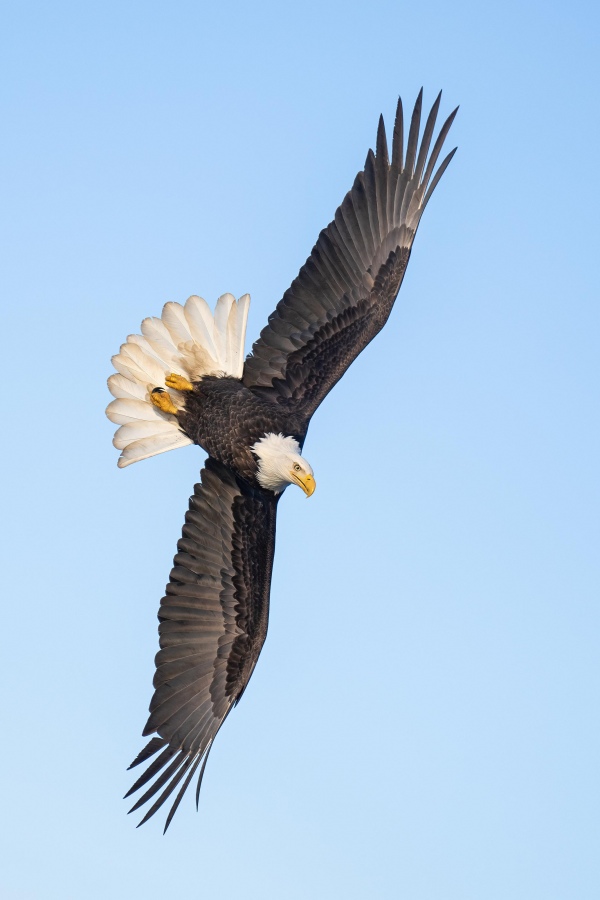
point(184, 380)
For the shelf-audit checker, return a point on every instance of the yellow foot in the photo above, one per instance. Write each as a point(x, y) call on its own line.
point(178, 382)
point(162, 400)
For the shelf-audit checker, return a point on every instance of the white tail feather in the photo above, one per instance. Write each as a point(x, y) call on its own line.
point(188, 340)
point(151, 447)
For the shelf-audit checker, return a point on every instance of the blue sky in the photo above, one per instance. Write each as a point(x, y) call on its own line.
point(423, 720)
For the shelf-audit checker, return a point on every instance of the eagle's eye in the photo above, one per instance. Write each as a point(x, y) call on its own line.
point(296, 467)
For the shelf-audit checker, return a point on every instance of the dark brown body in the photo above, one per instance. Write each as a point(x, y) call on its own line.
point(225, 418)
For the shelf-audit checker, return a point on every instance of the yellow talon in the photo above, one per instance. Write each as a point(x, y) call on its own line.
point(178, 382)
point(161, 399)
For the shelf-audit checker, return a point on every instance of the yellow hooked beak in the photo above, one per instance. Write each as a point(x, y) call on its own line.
point(306, 482)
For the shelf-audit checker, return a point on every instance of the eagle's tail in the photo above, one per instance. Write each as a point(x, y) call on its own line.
point(188, 341)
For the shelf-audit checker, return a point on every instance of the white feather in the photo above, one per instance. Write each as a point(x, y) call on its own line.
point(188, 340)
point(146, 447)
point(238, 318)
point(157, 334)
point(123, 411)
point(164, 361)
point(124, 388)
point(147, 364)
point(222, 310)
point(135, 431)
point(126, 364)
point(173, 316)
point(201, 323)
point(124, 367)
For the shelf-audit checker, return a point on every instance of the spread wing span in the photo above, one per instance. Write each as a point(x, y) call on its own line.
point(345, 291)
point(213, 623)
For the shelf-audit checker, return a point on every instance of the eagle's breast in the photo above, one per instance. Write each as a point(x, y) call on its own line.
point(226, 419)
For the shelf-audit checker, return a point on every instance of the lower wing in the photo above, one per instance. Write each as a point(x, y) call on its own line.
point(213, 623)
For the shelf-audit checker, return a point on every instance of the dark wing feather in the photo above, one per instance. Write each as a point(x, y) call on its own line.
point(345, 291)
point(213, 623)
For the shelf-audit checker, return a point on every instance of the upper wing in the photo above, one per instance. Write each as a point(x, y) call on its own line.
point(213, 623)
point(346, 289)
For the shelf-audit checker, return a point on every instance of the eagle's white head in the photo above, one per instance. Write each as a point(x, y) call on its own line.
point(280, 464)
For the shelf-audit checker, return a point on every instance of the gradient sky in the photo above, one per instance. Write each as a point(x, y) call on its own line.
point(423, 721)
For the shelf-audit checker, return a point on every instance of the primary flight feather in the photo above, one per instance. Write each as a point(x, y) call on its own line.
point(184, 381)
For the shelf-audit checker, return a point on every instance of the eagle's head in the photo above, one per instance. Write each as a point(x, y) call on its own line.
point(280, 464)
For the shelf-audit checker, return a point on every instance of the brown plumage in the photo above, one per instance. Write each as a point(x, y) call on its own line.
point(213, 618)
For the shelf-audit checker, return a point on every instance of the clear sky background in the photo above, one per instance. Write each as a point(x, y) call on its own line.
point(423, 722)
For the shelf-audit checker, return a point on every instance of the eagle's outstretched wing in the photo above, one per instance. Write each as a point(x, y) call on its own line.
point(346, 289)
point(213, 623)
